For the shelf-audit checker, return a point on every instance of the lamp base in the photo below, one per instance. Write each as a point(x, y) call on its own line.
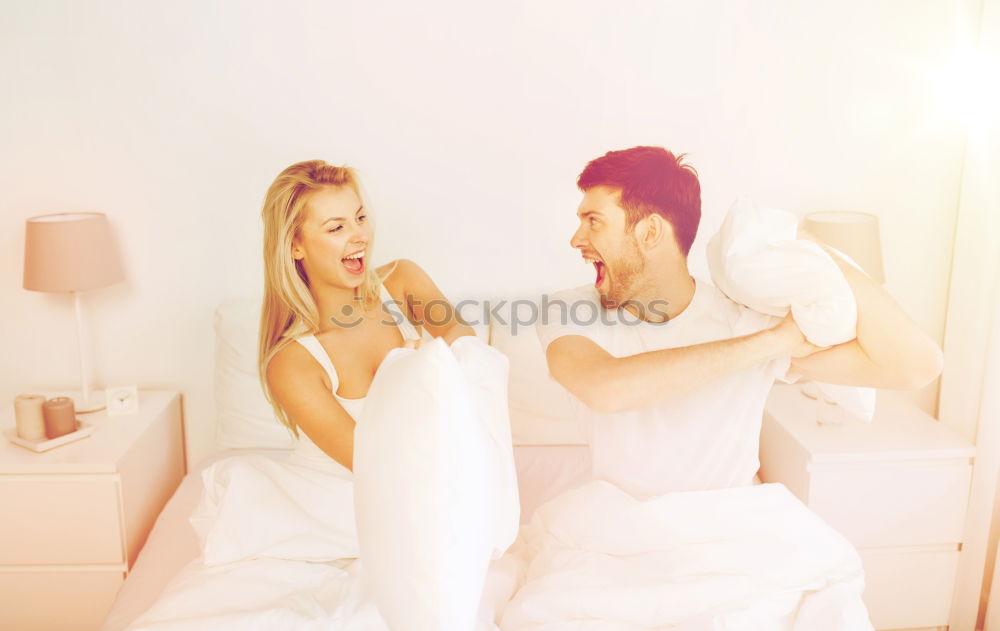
point(95, 403)
point(827, 410)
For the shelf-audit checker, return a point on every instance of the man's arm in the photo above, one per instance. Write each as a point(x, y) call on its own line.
point(614, 384)
point(890, 351)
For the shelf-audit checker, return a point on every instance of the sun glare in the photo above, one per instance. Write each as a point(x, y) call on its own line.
point(967, 87)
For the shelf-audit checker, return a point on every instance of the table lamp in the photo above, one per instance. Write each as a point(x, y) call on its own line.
point(72, 252)
point(853, 233)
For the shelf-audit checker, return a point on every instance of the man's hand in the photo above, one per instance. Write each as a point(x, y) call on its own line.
point(890, 350)
point(791, 338)
point(611, 384)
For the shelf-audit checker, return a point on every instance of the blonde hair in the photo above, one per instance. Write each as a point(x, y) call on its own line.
point(289, 310)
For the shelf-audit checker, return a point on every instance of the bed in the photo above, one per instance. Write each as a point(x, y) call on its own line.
point(550, 449)
point(553, 466)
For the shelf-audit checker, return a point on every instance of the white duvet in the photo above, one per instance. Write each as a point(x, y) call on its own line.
point(280, 541)
point(593, 558)
point(742, 559)
point(279, 551)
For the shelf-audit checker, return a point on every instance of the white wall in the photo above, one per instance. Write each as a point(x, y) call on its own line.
point(469, 125)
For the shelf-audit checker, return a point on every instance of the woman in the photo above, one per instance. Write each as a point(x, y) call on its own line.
point(278, 532)
point(329, 318)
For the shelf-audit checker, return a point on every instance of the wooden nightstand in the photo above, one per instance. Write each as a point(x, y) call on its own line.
point(74, 518)
point(897, 489)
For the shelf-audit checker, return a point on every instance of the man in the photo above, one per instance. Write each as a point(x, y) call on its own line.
point(672, 378)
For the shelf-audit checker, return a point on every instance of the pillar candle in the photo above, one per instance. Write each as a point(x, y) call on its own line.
point(60, 416)
point(28, 416)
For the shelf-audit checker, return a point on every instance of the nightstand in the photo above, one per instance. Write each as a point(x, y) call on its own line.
point(897, 489)
point(74, 518)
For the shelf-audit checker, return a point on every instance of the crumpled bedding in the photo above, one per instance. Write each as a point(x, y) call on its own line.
point(742, 559)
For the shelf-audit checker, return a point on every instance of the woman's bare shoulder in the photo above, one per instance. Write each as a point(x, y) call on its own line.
point(399, 274)
point(290, 362)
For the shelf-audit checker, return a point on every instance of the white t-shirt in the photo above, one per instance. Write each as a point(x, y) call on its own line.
point(707, 439)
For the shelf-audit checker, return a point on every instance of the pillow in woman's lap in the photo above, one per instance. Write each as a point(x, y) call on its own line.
point(433, 473)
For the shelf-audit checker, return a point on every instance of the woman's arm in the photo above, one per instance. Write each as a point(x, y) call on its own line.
point(428, 305)
point(296, 381)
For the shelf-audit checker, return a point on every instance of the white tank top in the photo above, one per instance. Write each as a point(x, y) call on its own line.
point(306, 448)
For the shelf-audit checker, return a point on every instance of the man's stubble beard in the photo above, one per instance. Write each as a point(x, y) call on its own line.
point(627, 268)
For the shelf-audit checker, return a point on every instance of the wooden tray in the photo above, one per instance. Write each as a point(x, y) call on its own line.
point(83, 429)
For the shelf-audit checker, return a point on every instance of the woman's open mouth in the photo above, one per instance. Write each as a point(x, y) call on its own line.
point(354, 263)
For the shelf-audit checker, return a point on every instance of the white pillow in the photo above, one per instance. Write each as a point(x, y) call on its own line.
point(540, 408)
point(244, 417)
point(429, 484)
point(756, 260)
point(486, 371)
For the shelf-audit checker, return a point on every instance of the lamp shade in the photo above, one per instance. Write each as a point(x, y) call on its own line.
point(853, 233)
point(70, 252)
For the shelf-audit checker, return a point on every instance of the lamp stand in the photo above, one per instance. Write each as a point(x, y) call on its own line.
point(84, 401)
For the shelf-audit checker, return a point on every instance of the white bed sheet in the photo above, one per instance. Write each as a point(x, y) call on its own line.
point(543, 472)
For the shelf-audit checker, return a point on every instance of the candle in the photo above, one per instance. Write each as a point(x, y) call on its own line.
point(60, 416)
point(28, 416)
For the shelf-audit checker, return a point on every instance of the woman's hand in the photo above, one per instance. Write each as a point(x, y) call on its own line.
point(412, 343)
point(430, 309)
point(456, 332)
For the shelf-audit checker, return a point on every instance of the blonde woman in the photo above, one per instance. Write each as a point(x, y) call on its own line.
point(330, 317)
